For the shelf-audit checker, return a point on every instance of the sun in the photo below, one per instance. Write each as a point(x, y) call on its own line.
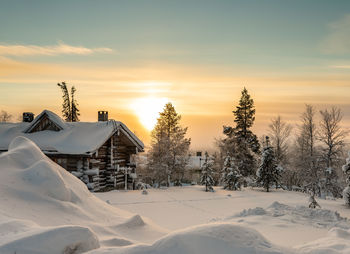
point(147, 110)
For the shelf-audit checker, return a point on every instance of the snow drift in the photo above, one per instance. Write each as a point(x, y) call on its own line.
point(39, 199)
point(205, 239)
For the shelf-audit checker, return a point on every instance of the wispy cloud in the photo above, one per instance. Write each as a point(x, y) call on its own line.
point(53, 50)
point(338, 39)
point(340, 66)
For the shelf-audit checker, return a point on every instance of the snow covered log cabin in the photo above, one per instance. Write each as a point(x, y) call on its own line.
point(98, 153)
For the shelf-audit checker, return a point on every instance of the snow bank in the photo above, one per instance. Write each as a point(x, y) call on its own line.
point(38, 199)
point(66, 240)
point(205, 239)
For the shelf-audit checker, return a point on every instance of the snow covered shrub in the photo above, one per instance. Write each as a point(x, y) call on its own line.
point(268, 172)
point(231, 177)
point(346, 191)
point(207, 174)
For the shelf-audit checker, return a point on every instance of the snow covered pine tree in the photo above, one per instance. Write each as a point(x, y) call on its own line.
point(207, 174)
point(231, 177)
point(346, 192)
point(268, 172)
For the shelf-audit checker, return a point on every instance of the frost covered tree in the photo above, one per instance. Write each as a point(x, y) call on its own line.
point(168, 155)
point(307, 155)
point(70, 111)
point(207, 174)
point(279, 134)
point(240, 142)
point(332, 136)
point(346, 191)
point(231, 177)
point(268, 172)
point(5, 116)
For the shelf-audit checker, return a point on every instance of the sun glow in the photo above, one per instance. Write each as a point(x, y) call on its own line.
point(147, 110)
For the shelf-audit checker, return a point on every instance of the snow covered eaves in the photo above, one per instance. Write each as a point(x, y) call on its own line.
point(51, 116)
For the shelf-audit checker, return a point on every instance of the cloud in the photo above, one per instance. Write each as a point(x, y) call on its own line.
point(340, 66)
point(59, 49)
point(338, 39)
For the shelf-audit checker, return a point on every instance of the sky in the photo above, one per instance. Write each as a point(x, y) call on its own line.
point(131, 57)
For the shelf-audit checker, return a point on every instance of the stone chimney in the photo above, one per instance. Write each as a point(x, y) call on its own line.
point(102, 116)
point(28, 117)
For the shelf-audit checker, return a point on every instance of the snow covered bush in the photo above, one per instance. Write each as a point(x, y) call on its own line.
point(231, 177)
point(207, 174)
point(346, 191)
point(268, 172)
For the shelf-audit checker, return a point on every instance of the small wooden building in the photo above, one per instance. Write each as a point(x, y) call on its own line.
point(99, 153)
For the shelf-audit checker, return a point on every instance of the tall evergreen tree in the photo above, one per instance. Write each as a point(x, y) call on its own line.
point(268, 172)
point(169, 147)
point(74, 106)
point(207, 174)
point(70, 111)
point(241, 142)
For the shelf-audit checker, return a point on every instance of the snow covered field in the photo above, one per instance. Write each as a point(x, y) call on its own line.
point(45, 209)
point(281, 216)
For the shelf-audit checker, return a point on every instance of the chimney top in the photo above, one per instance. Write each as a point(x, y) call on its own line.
point(28, 117)
point(102, 116)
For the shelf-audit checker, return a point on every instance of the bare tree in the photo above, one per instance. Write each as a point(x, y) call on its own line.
point(5, 116)
point(279, 135)
point(307, 159)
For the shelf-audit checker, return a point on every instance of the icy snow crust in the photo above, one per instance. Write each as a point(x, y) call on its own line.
point(45, 209)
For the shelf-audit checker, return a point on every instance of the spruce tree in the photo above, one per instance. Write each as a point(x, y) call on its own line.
point(70, 111)
point(268, 172)
point(207, 174)
point(74, 107)
point(240, 142)
point(231, 176)
point(169, 147)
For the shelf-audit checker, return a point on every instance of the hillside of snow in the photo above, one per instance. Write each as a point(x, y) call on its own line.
point(45, 209)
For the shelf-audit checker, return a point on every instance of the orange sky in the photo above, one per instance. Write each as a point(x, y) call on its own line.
point(204, 99)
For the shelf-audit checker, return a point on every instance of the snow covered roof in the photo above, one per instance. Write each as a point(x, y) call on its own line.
point(69, 137)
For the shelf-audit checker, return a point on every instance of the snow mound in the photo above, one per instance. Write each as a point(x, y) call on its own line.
point(337, 242)
point(38, 197)
point(320, 218)
point(134, 222)
point(66, 240)
point(252, 212)
point(206, 239)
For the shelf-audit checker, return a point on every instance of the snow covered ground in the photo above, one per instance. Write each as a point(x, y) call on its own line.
point(45, 209)
point(281, 216)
